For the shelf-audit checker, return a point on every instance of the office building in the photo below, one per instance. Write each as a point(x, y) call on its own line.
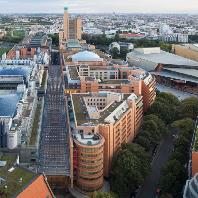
point(100, 123)
point(72, 27)
point(89, 73)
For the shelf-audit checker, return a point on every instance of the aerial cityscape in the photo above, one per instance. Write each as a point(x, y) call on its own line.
point(98, 99)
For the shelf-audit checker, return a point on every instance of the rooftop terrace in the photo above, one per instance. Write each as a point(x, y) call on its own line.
point(81, 113)
point(86, 139)
point(16, 178)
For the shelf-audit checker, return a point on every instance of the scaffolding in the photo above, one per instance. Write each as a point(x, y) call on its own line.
point(54, 141)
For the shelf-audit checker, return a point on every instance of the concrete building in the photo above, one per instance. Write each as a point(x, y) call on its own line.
point(88, 161)
point(72, 27)
point(189, 51)
point(170, 69)
point(89, 73)
point(115, 116)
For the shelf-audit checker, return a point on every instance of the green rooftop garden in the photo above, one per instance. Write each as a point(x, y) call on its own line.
point(3, 50)
point(73, 73)
point(15, 180)
point(82, 114)
point(44, 79)
point(35, 125)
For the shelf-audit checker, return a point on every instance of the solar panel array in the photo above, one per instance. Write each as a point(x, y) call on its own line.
point(54, 146)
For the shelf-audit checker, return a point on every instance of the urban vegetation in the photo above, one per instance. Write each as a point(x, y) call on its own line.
point(14, 36)
point(101, 41)
point(44, 79)
point(3, 50)
point(167, 116)
point(174, 174)
point(35, 125)
point(14, 179)
point(130, 166)
point(55, 39)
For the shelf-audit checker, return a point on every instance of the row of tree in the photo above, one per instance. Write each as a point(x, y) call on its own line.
point(169, 108)
point(102, 40)
point(174, 174)
point(131, 164)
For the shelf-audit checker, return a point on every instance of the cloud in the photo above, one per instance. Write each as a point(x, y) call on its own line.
point(90, 6)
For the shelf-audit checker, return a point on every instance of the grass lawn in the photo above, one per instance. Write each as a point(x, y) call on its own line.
point(3, 50)
point(35, 125)
point(19, 33)
point(15, 180)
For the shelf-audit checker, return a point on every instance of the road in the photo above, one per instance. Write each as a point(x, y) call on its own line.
point(180, 94)
point(151, 182)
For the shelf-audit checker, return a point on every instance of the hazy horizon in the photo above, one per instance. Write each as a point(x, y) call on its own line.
point(105, 6)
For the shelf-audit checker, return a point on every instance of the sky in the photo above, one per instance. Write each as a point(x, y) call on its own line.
point(99, 6)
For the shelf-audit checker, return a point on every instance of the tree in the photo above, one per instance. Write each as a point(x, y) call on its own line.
point(165, 107)
point(103, 195)
point(173, 178)
point(115, 52)
point(130, 166)
point(189, 108)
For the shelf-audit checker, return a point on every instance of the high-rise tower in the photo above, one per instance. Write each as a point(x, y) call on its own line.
point(66, 22)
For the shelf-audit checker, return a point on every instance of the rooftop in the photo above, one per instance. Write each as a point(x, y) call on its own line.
point(81, 113)
point(15, 70)
point(8, 104)
point(88, 139)
point(117, 81)
point(73, 72)
point(154, 58)
point(86, 56)
point(16, 178)
point(72, 43)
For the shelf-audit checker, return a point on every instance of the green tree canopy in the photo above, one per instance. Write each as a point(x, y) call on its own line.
point(130, 166)
point(189, 108)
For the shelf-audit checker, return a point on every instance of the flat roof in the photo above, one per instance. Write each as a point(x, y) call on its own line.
point(15, 180)
point(116, 81)
point(73, 73)
point(88, 139)
point(164, 58)
point(189, 72)
point(175, 76)
point(8, 104)
point(81, 113)
point(15, 70)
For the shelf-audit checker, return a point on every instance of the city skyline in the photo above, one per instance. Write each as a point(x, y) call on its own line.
point(92, 6)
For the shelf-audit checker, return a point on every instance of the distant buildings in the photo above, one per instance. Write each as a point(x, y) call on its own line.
point(186, 50)
point(72, 27)
point(89, 73)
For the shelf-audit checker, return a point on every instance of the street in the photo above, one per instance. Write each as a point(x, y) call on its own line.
point(149, 188)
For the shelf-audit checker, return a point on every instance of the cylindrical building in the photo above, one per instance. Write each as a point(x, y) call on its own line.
point(90, 162)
